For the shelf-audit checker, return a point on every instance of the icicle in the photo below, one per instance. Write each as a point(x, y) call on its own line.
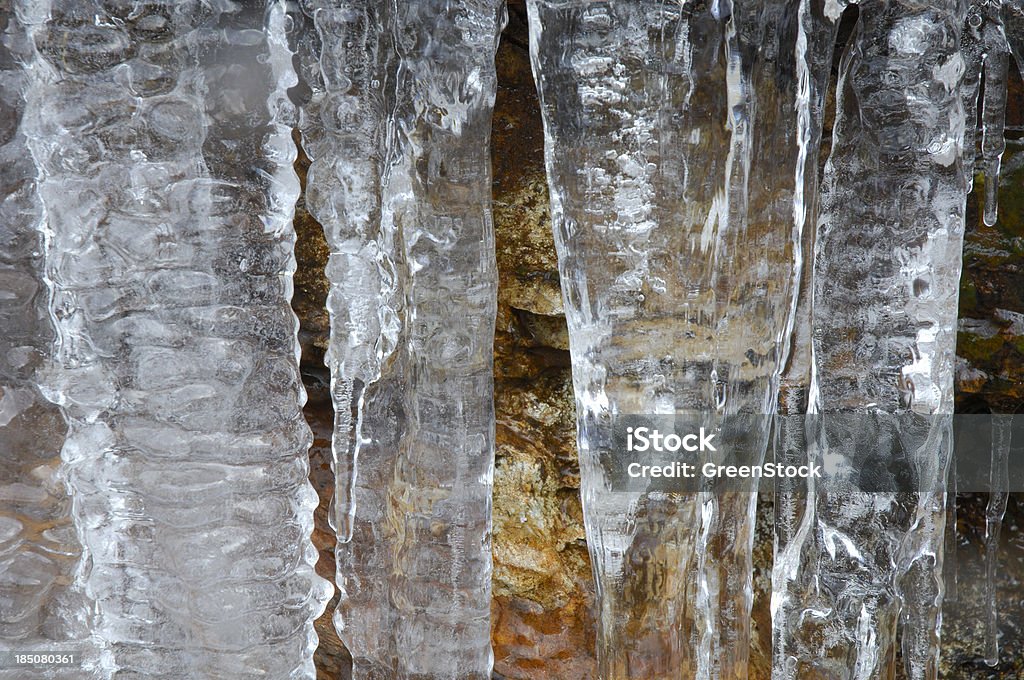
point(343, 125)
point(985, 51)
point(397, 126)
point(162, 136)
point(992, 117)
point(817, 25)
point(38, 547)
point(998, 495)
point(882, 381)
point(344, 61)
point(951, 562)
point(676, 257)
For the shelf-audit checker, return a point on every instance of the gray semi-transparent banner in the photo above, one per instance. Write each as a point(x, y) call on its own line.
point(845, 452)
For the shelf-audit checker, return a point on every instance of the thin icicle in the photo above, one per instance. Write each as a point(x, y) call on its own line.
point(343, 123)
point(818, 23)
point(397, 126)
point(986, 56)
point(998, 495)
point(951, 562)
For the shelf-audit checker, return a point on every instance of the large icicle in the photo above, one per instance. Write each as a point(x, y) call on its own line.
point(161, 131)
point(886, 279)
point(38, 548)
point(397, 127)
point(672, 153)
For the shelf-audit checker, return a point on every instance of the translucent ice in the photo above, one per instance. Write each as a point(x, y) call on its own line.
point(883, 316)
point(161, 131)
point(39, 609)
point(817, 25)
point(397, 125)
point(994, 512)
point(986, 59)
point(673, 147)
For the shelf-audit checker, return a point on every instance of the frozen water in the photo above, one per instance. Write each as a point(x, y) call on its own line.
point(986, 59)
point(39, 609)
point(886, 278)
point(397, 126)
point(673, 152)
point(998, 497)
point(161, 132)
point(817, 26)
point(682, 147)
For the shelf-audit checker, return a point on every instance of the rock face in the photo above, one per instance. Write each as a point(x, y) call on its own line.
point(542, 617)
point(542, 623)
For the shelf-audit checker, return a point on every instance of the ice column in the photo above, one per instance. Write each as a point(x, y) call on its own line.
point(38, 547)
point(886, 279)
point(673, 148)
point(397, 126)
point(162, 134)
